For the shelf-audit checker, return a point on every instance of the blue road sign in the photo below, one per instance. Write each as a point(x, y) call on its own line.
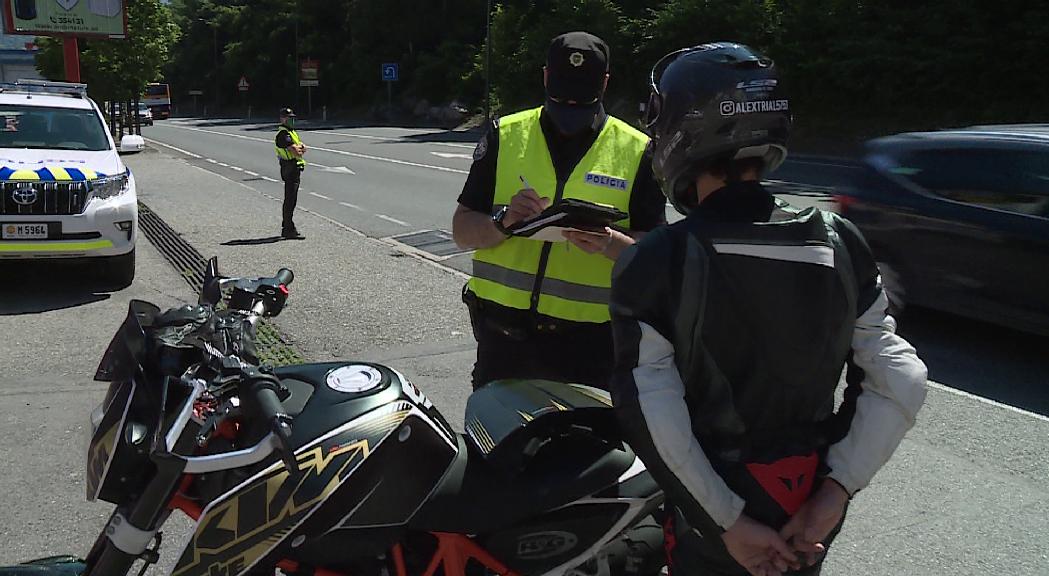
point(390, 72)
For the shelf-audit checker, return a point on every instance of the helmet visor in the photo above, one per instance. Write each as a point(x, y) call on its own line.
point(655, 100)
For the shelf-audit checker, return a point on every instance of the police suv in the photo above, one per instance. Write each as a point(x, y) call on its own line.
point(64, 190)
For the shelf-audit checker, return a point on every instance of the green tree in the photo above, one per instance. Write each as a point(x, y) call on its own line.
point(521, 34)
point(852, 66)
point(119, 69)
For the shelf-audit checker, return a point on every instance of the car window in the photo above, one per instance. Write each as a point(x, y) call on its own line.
point(1015, 181)
point(51, 128)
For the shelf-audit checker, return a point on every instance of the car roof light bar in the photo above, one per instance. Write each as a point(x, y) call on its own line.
point(45, 87)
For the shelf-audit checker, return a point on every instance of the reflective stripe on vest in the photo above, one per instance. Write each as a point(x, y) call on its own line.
point(284, 153)
point(573, 285)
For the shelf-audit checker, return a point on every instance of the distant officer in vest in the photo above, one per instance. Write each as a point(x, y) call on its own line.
point(540, 309)
point(290, 152)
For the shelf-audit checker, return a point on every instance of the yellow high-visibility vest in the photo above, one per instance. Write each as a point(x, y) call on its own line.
point(556, 279)
point(284, 153)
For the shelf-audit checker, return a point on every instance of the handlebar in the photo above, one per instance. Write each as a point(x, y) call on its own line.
point(261, 296)
point(262, 389)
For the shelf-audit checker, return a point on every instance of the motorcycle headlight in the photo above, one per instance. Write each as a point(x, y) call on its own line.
point(109, 186)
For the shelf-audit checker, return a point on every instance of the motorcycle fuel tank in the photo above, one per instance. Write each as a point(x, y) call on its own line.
point(370, 448)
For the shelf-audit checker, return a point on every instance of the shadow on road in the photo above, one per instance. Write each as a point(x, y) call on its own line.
point(983, 359)
point(34, 287)
point(464, 137)
point(256, 241)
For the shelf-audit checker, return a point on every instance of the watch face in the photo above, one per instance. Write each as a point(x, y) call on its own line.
point(497, 218)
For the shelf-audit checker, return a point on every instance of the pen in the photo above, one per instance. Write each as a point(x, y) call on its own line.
point(525, 182)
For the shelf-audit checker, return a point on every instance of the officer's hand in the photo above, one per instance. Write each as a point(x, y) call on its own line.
point(524, 205)
point(758, 548)
point(607, 242)
point(815, 520)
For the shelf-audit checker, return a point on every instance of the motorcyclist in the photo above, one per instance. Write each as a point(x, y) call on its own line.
point(732, 328)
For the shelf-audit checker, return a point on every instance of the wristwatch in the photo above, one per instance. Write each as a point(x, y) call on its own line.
point(497, 219)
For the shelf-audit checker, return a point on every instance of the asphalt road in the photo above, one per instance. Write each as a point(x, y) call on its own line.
point(967, 493)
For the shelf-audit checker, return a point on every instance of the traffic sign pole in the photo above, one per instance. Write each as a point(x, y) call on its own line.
point(390, 73)
point(308, 79)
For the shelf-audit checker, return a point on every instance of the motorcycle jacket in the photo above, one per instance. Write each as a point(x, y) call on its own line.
point(732, 328)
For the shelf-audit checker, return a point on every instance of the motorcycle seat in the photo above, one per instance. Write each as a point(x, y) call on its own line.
point(509, 421)
point(532, 446)
point(475, 497)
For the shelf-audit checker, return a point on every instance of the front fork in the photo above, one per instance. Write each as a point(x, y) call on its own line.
point(123, 541)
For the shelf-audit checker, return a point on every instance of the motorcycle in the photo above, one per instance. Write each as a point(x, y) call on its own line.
point(341, 468)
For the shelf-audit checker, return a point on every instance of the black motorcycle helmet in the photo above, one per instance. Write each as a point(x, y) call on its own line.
point(710, 105)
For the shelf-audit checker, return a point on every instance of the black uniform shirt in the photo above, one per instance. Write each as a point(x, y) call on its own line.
point(284, 138)
point(647, 203)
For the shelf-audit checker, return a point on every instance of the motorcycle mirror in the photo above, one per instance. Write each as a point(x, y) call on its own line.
point(211, 292)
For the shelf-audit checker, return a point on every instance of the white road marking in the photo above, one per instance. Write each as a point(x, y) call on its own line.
point(394, 220)
point(223, 164)
point(237, 168)
point(332, 151)
point(250, 173)
point(334, 169)
point(319, 195)
point(451, 155)
point(987, 401)
point(176, 149)
point(212, 161)
point(348, 205)
point(268, 179)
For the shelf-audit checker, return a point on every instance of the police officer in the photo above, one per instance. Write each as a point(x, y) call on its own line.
point(540, 309)
point(732, 328)
point(290, 152)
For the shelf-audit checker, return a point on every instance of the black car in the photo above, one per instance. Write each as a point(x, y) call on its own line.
point(959, 220)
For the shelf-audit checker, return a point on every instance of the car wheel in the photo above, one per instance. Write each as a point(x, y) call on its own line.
point(119, 271)
point(894, 289)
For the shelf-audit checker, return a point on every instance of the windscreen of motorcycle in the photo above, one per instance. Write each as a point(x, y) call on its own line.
point(107, 422)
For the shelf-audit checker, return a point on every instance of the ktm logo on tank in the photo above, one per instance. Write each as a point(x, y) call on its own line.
point(232, 536)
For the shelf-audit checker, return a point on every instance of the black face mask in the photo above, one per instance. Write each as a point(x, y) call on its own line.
point(571, 120)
